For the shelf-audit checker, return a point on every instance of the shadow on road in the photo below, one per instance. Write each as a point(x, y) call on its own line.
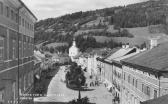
point(85, 89)
point(81, 89)
point(50, 103)
point(55, 103)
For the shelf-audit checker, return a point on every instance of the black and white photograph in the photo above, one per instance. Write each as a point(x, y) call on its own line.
point(83, 51)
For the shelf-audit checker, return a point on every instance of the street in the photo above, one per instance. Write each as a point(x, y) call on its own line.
point(58, 92)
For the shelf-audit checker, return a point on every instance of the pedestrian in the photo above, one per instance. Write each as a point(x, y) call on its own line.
point(95, 83)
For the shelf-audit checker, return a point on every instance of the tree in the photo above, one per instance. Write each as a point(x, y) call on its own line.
point(75, 75)
point(52, 50)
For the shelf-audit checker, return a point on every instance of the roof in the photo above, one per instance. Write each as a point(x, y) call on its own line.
point(155, 59)
point(127, 56)
point(27, 9)
point(120, 53)
point(159, 100)
point(112, 52)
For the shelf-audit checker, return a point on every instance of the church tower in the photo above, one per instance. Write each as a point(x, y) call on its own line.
point(73, 50)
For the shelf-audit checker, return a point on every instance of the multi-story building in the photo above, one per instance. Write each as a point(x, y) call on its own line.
point(145, 75)
point(159, 100)
point(16, 49)
point(111, 71)
point(88, 60)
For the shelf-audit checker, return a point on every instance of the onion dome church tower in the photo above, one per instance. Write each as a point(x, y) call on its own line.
point(73, 51)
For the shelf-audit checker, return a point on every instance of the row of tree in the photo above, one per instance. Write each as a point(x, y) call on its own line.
point(120, 33)
point(83, 43)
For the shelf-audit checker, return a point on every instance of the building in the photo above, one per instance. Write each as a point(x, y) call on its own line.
point(38, 60)
point(88, 60)
point(73, 51)
point(159, 100)
point(16, 42)
point(111, 69)
point(145, 75)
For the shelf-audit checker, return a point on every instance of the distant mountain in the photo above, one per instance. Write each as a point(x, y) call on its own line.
point(62, 29)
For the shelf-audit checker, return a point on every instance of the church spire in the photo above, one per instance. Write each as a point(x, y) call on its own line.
point(74, 42)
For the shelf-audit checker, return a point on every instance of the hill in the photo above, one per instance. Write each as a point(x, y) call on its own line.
point(109, 21)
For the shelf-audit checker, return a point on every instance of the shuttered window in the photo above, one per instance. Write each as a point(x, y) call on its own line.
point(1, 8)
point(1, 48)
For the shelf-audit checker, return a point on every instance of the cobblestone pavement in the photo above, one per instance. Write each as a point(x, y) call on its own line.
point(58, 92)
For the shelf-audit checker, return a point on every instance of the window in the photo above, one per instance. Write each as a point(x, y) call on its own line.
point(24, 83)
point(20, 49)
point(148, 90)
point(1, 48)
point(14, 91)
point(20, 85)
point(7, 11)
point(129, 79)
point(12, 15)
point(23, 22)
point(133, 82)
point(155, 93)
point(1, 96)
point(24, 49)
point(136, 83)
point(1, 8)
point(32, 27)
point(142, 87)
point(124, 75)
point(16, 17)
point(19, 20)
point(14, 49)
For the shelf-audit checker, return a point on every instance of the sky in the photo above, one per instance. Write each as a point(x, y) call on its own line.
point(54, 8)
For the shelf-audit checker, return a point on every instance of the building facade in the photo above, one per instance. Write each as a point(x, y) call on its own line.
point(145, 75)
point(135, 75)
point(16, 49)
point(111, 70)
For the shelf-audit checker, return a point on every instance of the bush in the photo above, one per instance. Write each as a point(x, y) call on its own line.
point(84, 100)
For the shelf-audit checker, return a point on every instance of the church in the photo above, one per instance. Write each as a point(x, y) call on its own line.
point(73, 51)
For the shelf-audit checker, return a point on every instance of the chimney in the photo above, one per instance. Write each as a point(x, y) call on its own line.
point(127, 45)
point(123, 46)
point(153, 42)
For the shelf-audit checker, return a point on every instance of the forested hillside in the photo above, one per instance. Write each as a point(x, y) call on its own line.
point(62, 29)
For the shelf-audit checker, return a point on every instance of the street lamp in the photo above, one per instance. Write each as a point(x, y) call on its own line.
point(79, 86)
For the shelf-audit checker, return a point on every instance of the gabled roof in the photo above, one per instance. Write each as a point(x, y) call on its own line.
point(120, 54)
point(127, 56)
point(112, 52)
point(155, 59)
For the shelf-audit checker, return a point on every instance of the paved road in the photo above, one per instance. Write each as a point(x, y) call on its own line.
point(58, 92)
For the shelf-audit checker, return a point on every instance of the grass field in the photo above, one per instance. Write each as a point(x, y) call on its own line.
point(57, 44)
point(141, 35)
point(86, 31)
